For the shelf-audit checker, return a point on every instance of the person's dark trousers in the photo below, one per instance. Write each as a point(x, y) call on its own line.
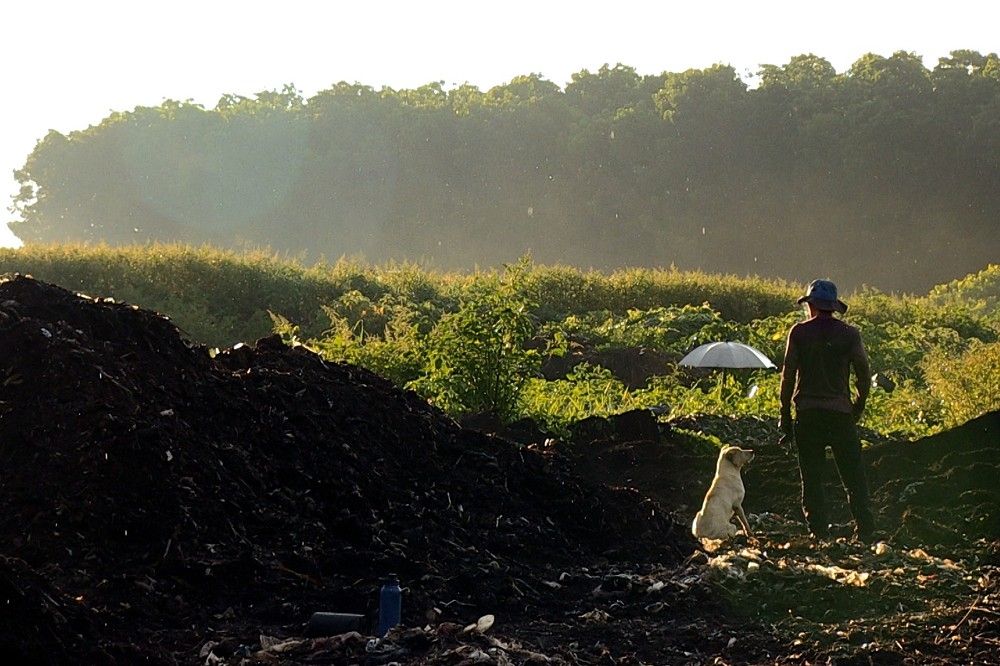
point(815, 429)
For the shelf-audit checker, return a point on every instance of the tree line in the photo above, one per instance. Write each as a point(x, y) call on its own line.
point(884, 175)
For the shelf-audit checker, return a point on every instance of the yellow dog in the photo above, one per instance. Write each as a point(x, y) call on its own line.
point(724, 498)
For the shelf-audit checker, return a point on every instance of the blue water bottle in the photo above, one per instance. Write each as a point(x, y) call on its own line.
point(390, 604)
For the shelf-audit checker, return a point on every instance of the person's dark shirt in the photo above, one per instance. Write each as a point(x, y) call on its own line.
point(816, 373)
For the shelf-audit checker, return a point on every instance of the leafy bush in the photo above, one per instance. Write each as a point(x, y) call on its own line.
point(977, 294)
point(395, 351)
point(477, 359)
point(674, 329)
point(965, 385)
point(909, 411)
point(586, 391)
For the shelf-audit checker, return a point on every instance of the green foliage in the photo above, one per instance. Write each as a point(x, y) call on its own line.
point(586, 391)
point(395, 353)
point(974, 294)
point(215, 297)
point(673, 329)
point(384, 335)
point(477, 358)
point(562, 291)
point(901, 332)
point(908, 412)
point(722, 393)
point(966, 385)
point(477, 342)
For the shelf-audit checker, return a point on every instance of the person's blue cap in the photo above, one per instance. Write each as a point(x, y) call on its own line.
point(823, 294)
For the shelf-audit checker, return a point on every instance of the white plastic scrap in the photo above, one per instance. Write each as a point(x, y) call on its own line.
point(481, 626)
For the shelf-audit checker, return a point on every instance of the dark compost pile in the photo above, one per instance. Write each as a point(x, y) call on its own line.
point(167, 505)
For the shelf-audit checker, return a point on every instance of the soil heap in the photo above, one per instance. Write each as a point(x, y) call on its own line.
point(157, 496)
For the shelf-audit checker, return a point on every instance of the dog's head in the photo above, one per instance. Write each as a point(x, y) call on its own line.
point(736, 456)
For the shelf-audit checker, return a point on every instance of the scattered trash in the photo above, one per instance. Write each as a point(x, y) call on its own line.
point(331, 624)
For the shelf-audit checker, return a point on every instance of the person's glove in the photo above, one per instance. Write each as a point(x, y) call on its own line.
point(786, 428)
point(857, 409)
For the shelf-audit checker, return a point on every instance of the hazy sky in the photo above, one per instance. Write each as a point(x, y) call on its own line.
point(66, 64)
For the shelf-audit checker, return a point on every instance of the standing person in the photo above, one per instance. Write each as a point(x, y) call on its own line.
point(820, 356)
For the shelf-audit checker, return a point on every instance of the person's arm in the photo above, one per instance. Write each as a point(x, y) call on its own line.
point(862, 377)
point(789, 370)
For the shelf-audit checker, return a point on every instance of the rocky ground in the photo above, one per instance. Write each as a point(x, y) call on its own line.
point(167, 505)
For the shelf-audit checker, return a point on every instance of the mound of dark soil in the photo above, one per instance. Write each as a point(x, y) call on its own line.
point(164, 504)
point(155, 496)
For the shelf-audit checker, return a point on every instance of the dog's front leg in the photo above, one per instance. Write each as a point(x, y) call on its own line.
point(742, 517)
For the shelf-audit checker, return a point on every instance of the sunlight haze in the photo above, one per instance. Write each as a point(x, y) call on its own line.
point(68, 65)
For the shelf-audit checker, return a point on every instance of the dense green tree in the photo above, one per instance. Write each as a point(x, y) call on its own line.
point(605, 93)
point(707, 111)
point(696, 169)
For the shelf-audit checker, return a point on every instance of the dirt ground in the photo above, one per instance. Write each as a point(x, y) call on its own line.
point(167, 505)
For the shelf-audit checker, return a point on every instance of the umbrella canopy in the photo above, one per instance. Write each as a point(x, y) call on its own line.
point(726, 355)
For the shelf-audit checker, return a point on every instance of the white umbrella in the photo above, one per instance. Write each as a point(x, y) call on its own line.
point(726, 355)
